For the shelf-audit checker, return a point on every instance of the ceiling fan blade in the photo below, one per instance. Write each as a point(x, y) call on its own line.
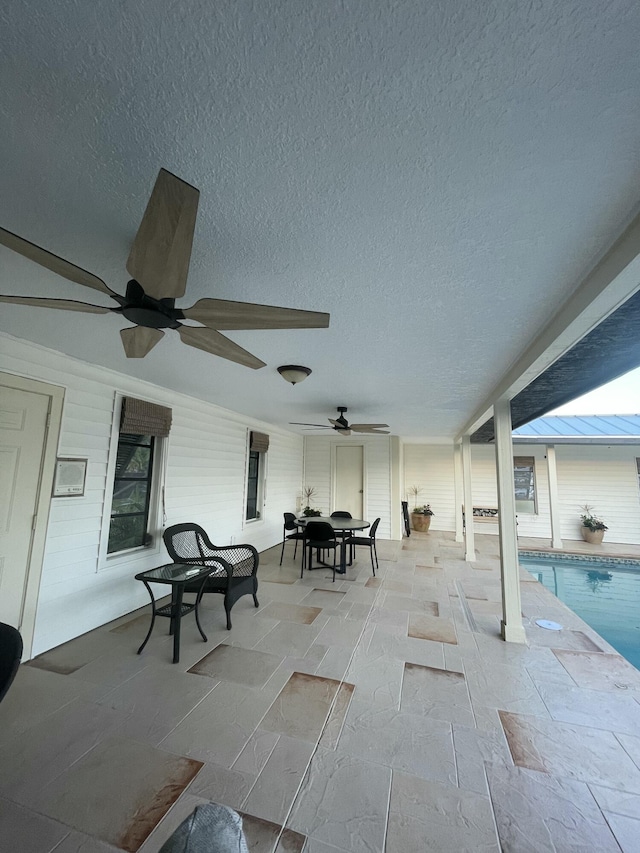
point(368, 426)
point(161, 251)
point(139, 340)
point(320, 426)
point(51, 262)
point(369, 431)
point(211, 341)
point(226, 314)
point(63, 304)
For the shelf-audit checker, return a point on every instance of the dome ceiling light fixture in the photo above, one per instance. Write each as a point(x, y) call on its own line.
point(294, 373)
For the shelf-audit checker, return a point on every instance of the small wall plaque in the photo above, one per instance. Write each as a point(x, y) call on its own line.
point(69, 478)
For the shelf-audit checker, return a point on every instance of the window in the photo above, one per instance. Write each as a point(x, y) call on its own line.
point(253, 485)
point(525, 484)
point(131, 492)
point(258, 446)
point(135, 500)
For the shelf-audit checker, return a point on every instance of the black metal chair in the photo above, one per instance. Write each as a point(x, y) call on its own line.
point(321, 536)
point(233, 567)
point(10, 655)
point(344, 534)
point(291, 524)
point(369, 541)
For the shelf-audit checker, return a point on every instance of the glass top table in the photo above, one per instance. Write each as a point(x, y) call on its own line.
point(177, 575)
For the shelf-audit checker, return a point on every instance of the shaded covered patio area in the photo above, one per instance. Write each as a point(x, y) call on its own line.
point(373, 714)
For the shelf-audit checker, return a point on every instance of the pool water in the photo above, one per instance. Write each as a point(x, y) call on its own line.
point(605, 594)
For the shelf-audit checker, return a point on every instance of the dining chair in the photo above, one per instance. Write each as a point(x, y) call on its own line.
point(10, 655)
point(298, 536)
point(321, 536)
point(344, 534)
point(233, 567)
point(369, 541)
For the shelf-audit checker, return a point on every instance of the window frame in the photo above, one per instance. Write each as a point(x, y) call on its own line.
point(526, 461)
point(148, 479)
point(155, 517)
point(261, 485)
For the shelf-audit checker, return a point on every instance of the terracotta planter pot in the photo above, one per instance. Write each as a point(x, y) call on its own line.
point(594, 537)
point(420, 522)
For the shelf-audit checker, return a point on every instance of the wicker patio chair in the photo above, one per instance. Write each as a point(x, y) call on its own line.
point(233, 567)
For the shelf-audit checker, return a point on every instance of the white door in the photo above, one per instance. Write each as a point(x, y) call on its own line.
point(23, 427)
point(349, 479)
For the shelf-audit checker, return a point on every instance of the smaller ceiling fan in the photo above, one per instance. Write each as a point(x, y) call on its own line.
point(341, 425)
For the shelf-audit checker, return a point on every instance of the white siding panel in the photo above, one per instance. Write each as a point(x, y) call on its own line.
point(603, 477)
point(485, 489)
point(538, 524)
point(205, 483)
point(430, 467)
point(606, 479)
point(377, 476)
point(378, 484)
point(317, 471)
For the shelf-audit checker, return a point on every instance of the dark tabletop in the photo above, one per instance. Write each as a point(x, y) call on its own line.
point(175, 573)
point(336, 523)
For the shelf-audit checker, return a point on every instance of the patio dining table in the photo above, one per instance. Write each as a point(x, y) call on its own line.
point(340, 525)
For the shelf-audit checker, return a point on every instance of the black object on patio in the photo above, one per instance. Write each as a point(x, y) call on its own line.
point(370, 541)
point(343, 534)
point(233, 567)
point(298, 536)
point(10, 655)
point(321, 536)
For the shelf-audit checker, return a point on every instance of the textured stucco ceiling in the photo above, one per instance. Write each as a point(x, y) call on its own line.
point(438, 176)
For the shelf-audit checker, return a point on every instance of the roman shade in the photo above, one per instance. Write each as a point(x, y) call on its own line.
point(140, 417)
point(259, 442)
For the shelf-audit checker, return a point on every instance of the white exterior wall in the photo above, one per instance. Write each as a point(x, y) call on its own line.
point(606, 479)
point(430, 468)
point(601, 476)
point(485, 492)
point(319, 461)
point(205, 482)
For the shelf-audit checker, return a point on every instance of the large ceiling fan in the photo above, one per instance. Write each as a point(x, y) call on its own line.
point(158, 264)
point(341, 425)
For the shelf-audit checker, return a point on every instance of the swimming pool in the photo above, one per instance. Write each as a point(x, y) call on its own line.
point(605, 593)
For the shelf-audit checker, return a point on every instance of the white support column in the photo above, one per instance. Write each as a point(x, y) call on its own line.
point(396, 487)
point(470, 545)
point(554, 500)
point(458, 488)
point(511, 627)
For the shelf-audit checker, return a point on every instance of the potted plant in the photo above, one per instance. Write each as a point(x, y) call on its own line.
point(421, 518)
point(308, 511)
point(413, 492)
point(592, 527)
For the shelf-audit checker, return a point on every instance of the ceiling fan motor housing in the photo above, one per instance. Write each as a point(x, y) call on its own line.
point(144, 310)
